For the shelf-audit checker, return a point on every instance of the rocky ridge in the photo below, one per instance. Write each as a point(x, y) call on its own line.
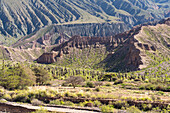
point(19, 18)
point(131, 50)
point(57, 34)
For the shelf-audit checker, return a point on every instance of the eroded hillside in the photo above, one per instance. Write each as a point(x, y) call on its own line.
point(19, 18)
point(57, 34)
point(21, 55)
point(138, 48)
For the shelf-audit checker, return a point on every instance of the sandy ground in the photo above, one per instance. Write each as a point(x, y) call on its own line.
point(55, 109)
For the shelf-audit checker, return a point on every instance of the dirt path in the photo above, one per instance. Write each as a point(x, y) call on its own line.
point(55, 109)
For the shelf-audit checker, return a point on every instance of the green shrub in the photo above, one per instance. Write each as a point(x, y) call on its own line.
point(68, 103)
point(107, 109)
point(83, 104)
point(119, 104)
point(114, 78)
point(150, 87)
point(97, 103)
point(156, 110)
point(56, 102)
point(1, 90)
point(42, 110)
point(145, 99)
point(67, 94)
point(3, 101)
point(142, 87)
point(90, 84)
point(17, 77)
point(168, 88)
point(109, 91)
point(118, 82)
point(108, 84)
point(137, 80)
point(7, 97)
point(97, 89)
point(80, 94)
point(89, 90)
point(146, 107)
point(133, 109)
point(87, 95)
point(160, 93)
point(42, 76)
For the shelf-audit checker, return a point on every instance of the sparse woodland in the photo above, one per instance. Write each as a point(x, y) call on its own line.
point(85, 87)
point(102, 68)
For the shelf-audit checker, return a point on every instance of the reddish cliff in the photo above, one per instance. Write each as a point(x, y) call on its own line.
point(125, 51)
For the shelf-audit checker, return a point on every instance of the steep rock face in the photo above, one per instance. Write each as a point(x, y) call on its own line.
point(131, 50)
point(47, 57)
point(100, 49)
point(148, 45)
point(19, 18)
point(57, 34)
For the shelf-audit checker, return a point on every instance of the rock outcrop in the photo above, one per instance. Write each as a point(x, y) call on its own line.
point(131, 50)
point(57, 34)
point(47, 57)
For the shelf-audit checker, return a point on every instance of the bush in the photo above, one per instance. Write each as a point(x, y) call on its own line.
point(137, 80)
point(55, 102)
point(149, 87)
point(75, 80)
point(119, 104)
point(80, 94)
point(89, 90)
point(146, 107)
point(107, 109)
point(68, 103)
point(36, 102)
point(86, 103)
point(133, 109)
point(72, 95)
point(42, 76)
point(90, 84)
point(114, 78)
point(17, 77)
point(3, 101)
point(118, 82)
point(97, 103)
point(108, 84)
point(42, 110)
point(97, 89)
point(160, 88)
point(160, 93)
point(142, 87)
point(1, 90)
point(7, 97)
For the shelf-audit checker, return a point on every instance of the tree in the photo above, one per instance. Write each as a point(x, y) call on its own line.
point(109, 77)
point(18, 76)
point(42, 75)
point(74, 80)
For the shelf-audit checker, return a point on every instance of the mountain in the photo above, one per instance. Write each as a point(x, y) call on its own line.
point(143, 46)
point(19, 18)
point(53, 35)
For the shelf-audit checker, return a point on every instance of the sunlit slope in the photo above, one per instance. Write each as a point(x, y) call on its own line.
point(21, 17)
